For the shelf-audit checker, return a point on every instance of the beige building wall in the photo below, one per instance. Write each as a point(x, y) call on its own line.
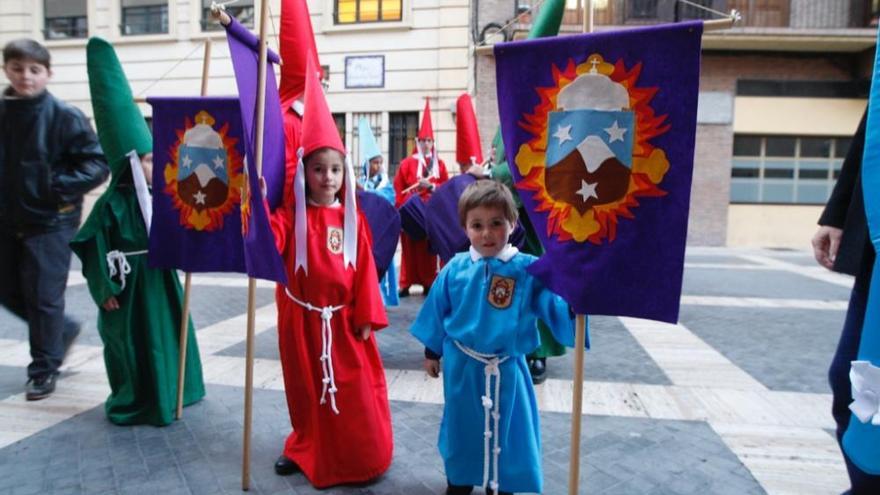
point(784, 226)
point(426, 55)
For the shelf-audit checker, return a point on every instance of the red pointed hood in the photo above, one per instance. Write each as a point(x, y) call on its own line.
point(467, 134)
point(318, 129)
point(426, 130)
point(297, 46)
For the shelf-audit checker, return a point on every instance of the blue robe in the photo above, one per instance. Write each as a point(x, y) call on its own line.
point(388, 283)
point(490, 306)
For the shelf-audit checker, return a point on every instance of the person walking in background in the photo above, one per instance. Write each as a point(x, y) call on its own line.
point(49, 159)
point(842, 244)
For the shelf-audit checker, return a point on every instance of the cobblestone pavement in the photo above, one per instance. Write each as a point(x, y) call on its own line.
point(733, 400)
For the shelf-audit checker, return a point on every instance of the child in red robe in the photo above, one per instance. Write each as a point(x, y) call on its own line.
point(333, 375)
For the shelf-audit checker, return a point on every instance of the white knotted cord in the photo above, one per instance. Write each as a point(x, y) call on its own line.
point(117, 263)
point(328, 380)
point(492, 368)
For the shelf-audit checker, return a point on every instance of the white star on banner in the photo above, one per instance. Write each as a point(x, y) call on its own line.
point(199, 197)
point(186, 161)
point(588, 191)
point(563, 133)
point(218, 162)
point(615, 132)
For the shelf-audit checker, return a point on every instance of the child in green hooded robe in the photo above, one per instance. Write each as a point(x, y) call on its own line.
point(139, 308)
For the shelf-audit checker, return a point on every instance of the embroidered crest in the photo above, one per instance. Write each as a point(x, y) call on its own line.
point(590, 157)
point(501, 291)
point(334, 240)
point(204, 177)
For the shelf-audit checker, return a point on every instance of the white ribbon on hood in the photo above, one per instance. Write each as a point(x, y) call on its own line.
point(145, 200)
point(349, 236)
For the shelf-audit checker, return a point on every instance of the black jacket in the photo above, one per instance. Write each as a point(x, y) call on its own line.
point(49, 159)
point(846, 210)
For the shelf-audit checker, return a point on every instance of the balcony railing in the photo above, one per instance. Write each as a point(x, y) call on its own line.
point(837, 14)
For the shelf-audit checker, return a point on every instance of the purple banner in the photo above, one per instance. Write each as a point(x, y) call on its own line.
point(244, 51)
point(261, 257)
point(600, 135)
point(199, 178)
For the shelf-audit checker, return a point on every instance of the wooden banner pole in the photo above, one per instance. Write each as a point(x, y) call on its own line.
point(580, 336)
point(187, 284)
point(252, 283)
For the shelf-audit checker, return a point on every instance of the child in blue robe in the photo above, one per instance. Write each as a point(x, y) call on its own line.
point(479, 319)
point(375, 179)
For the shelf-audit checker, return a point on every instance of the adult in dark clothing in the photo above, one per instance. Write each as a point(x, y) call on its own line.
point(49, 159)
point(842, 244)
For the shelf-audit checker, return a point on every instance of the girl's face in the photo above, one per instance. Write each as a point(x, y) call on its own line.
point(324, 171)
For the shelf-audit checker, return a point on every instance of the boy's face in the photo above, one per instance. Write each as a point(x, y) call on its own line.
point(28, 77)
point(324, 175)
point(488, 230)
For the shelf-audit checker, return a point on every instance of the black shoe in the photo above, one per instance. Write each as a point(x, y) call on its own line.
point(404, 292)
point(458, 489)
point(538, 370)
point(285, 467)
point(40, 388)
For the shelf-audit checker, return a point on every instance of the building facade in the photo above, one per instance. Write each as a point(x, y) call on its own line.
point(382, 58)
point(780, 96)
point(781, 93)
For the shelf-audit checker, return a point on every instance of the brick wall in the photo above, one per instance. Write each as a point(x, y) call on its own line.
point(710, 191)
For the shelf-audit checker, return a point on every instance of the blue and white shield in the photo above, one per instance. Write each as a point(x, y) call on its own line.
point(595, 133)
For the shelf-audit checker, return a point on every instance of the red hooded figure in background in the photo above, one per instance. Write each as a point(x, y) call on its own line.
point(419, 174)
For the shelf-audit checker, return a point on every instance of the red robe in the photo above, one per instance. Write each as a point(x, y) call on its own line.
point(417, 264)
point(355, 445)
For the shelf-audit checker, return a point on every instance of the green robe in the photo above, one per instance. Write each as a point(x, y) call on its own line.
point(501, 172)
point(141, 338)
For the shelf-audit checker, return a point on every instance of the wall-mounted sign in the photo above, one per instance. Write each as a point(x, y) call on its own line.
point(365, 72)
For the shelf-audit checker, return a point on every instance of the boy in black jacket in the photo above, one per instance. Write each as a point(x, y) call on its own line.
point(49, 159)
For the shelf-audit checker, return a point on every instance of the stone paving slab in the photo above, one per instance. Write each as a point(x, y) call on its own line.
point(201, 454)
point(786, 350)
point(753, 283)
point(625, 451)
point(12, 381)
point(699, 259)
point(208, 305)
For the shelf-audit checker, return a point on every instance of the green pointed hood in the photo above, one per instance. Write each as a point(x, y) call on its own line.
point(545, 24)
point(548, 20)
point(121, 126)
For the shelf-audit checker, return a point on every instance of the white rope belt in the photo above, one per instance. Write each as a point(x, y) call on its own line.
point(492, 368)
point(118, 263)
point(328, 380)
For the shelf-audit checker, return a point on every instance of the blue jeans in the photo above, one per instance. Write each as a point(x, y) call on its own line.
point(33, 278)
point(838, 377)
